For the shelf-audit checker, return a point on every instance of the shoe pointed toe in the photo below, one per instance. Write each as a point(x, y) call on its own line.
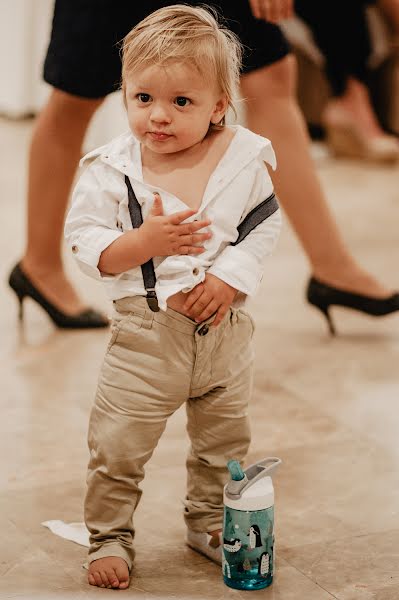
point(87, 319)
point(23, 287)
point(323, 296)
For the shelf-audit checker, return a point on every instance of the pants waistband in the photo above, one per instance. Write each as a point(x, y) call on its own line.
point(170, 317)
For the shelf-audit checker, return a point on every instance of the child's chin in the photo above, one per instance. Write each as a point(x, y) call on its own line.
point(163, 147)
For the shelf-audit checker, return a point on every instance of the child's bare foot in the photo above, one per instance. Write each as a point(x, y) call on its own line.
point(214, 542)
point(109, 572)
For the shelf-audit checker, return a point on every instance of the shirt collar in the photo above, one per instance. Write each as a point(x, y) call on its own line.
point(123, 153)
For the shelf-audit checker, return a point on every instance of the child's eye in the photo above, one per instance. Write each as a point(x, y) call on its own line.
point(143, 98)
point(182, 101)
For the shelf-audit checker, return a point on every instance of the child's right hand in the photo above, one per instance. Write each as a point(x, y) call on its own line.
point(168, 235)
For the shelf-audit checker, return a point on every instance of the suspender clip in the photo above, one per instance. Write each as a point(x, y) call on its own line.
point(152, 300)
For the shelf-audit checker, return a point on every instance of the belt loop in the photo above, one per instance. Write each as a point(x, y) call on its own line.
point(233, 315)
point(148, 318)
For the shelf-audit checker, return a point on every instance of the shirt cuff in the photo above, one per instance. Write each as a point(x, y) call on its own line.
point(88, 257)
point(238, 269)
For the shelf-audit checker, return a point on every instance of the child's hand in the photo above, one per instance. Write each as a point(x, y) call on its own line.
point(210, 297)
point(168, 235)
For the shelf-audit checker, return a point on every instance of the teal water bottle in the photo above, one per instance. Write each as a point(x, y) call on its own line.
point(248, 527)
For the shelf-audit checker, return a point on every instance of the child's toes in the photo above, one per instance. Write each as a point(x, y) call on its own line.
point(113, 578)
point(104, 577)
point(122, 573)
point(97, 579)
point(123, 585)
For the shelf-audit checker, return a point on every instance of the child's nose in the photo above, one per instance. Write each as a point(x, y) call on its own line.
point(160, 114)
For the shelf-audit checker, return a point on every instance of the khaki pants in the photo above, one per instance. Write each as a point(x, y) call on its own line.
point(154, 363)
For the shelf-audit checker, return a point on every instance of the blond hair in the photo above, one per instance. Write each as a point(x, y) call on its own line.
point(184, 33)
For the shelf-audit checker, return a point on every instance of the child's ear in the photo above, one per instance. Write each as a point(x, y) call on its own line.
point(220, 110)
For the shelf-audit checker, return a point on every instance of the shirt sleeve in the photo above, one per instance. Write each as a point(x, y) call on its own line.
point(91, 223)
point(241, 266)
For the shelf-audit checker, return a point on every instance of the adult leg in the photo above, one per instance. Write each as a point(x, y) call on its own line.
point(272, 111)
point(54, 155)
point(350, 120)
point(391, 10)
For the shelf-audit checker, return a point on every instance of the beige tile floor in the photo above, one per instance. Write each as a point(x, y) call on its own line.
point(328, 407)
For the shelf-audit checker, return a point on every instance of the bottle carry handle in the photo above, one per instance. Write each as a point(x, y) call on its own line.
point(263, 468)
point(252, 474)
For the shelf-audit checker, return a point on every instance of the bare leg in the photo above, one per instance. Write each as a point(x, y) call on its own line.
point(54, 155)
point(355, 107)
point(274, 113)
point(391, 10)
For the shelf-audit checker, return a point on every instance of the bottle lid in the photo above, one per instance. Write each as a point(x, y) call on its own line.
point(258, 496)
point(251, 489)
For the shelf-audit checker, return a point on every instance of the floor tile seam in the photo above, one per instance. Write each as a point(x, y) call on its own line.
point(310, 579)
point(284, 548)
point(346, 428)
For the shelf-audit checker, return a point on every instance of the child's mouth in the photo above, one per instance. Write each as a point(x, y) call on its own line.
point(159, 136)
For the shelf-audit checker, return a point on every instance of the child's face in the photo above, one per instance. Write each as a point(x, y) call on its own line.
point(170, 107)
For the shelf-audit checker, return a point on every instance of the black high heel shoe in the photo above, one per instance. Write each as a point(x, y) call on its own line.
point(323, 296)
point(23, 287)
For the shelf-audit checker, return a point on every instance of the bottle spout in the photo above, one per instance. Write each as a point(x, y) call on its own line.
point(238, 479)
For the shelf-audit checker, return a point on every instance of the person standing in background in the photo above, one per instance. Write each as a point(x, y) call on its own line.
point(349, 119)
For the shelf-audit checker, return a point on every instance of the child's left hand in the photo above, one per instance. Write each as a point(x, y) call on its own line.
point(209, 297)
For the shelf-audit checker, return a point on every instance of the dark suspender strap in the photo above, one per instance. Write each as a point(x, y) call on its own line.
point(260, 213)
point(147, 268)
point(254, 218)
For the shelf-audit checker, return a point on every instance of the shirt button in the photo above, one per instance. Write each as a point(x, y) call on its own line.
point(195, 271)
point(75, 249)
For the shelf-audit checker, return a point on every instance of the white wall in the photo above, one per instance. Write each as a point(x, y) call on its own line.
point(25, 27)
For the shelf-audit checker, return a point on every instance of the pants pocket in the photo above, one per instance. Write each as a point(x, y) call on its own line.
point(245, 316)
point(121, 323)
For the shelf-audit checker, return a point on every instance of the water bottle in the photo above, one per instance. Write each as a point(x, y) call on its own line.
point(248, 526)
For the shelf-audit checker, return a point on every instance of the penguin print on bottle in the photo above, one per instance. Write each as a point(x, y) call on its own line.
point(264, 564)
point(255, 540)
point(232, 545)
point(226, 568)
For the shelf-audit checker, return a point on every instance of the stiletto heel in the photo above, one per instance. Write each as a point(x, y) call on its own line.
point(323, 296)
point(330, 322)
point(20, 308)
point(23, 287)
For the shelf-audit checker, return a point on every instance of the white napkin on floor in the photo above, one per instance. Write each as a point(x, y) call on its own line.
point(76, 532)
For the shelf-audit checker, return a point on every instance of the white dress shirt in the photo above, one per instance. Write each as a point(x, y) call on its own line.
point(99, 215)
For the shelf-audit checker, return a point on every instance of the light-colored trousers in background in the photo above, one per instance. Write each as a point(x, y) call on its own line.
point(155, 362)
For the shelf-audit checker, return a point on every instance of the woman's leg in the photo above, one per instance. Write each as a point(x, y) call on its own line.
point(391, 10)
point(350, 109)
point(54, 155)
point(272, 111)
point(354, 107)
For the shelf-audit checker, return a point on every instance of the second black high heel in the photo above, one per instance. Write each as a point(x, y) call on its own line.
point(323, 296)
point(23, 288)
